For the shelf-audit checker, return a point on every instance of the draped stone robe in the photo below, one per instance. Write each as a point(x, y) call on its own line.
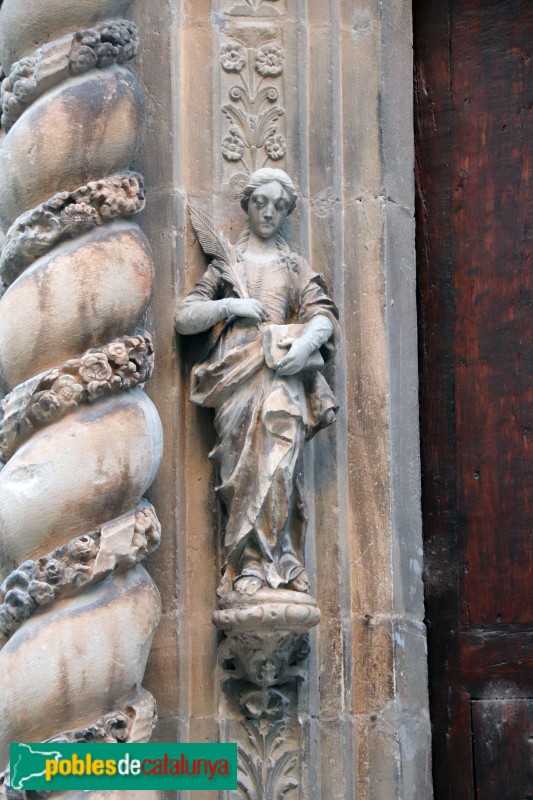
point(261, 418)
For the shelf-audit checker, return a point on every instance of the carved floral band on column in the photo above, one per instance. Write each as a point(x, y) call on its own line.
point(71, 568)
point(80, 442)
point(115, 42)
point(255, 57)
point(120, 365)
point(67, 215)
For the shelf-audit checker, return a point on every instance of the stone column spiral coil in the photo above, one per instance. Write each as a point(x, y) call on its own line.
point(80, 442)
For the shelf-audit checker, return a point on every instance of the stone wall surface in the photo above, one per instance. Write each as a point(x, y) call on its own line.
point(362, 726)
point(340, 122)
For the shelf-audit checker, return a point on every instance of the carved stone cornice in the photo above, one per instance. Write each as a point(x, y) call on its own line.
point(118, 366)
point(67, 215)
point(115, 42)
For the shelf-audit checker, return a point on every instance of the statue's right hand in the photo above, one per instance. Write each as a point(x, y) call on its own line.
point(251, 309)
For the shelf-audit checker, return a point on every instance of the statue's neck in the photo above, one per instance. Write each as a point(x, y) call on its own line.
point(261, 249)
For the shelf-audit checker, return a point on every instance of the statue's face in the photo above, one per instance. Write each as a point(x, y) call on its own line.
point(268, 209)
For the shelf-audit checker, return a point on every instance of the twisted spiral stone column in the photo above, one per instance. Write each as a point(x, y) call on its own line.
point(80, 442)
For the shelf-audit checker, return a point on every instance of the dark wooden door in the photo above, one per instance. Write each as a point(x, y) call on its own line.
point(474, 129)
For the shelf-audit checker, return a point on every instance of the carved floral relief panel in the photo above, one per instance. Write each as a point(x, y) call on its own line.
point(252, 60)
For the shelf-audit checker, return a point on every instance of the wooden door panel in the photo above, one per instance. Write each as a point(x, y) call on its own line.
point(474, 148)
point(503, 749)
point(492, 222)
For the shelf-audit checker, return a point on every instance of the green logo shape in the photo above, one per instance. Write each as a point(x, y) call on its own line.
point(59, 767)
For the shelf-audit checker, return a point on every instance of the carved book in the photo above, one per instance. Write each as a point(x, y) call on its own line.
point(274, 334)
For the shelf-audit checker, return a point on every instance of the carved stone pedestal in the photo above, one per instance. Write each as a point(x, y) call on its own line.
point(263, 653)
point(266, 634)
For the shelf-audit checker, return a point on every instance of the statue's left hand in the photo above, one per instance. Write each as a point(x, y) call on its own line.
point(296, 358)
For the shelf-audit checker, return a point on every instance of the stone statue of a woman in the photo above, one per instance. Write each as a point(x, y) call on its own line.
point(273, 326)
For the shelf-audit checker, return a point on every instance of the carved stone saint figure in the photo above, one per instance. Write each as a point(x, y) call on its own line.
point(273, 327)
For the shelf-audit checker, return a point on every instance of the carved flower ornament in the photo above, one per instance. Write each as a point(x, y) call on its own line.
point(83, 548)
point(19, 87)
point(78, 217)
point(269, 60)
point(20, 603)
point(141, 344)
point(107, 53)
point(53, 570)
point(41, 592)
point(232, 57)
point(233, 148)
point(276, 147)
point(97, 373)
point(7, 620)
point(47, 405)
point(69, 390)
point(84, 60)
point(118, 353)
point(24, 88)
point(95, 367)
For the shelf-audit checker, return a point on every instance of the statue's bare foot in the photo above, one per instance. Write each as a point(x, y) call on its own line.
point(300, 583)
point(248, 584)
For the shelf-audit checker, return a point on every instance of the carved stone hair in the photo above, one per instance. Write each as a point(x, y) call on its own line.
point(267, 175)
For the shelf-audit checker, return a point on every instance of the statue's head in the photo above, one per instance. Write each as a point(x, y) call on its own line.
point(268, 198)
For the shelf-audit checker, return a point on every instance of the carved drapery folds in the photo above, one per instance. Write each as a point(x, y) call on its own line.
point(80, 442)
